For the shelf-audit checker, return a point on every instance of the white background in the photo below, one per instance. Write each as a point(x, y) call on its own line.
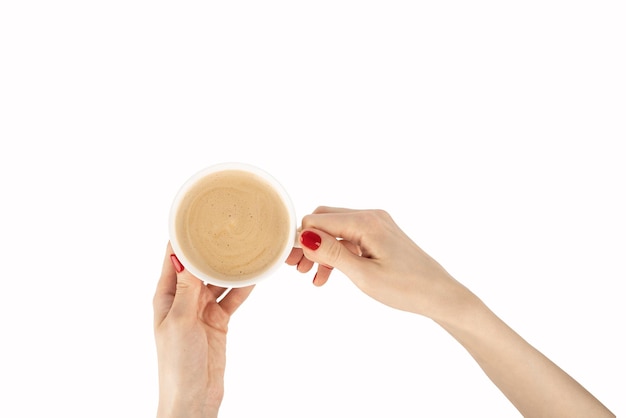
point(492, 132)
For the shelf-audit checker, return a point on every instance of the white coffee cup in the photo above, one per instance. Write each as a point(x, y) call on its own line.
point(226, 231)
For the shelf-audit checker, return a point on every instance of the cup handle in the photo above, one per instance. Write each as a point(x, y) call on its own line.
point(296, 241)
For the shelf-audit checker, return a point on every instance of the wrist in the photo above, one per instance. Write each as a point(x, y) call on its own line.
point(190, 405)
point(456, 306)
point(185, 410)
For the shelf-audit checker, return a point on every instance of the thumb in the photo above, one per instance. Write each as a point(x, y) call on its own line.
point(187, 289)
point(322, 248)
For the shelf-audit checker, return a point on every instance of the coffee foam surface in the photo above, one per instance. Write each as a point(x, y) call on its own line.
point(232, 225)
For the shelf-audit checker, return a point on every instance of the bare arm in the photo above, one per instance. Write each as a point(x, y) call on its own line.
point(533, 383)
point(388, 266)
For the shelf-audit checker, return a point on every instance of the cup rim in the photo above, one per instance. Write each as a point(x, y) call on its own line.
point(241, 166)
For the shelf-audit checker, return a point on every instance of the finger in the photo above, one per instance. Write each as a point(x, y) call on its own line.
point(216, 291)
point(165, 290)
point(324, 272)
point(353, 248)
point(234, 298)
point(305, 265)
point(341, 223)
point(331, 209)
point(188, 291)
point(322, 275)
point(326, 250)
point(297, 258)
point(294, 256)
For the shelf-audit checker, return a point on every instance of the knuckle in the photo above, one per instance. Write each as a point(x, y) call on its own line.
point(376, 217)
point(334, 253)
point(306, 221)
point(381, 215)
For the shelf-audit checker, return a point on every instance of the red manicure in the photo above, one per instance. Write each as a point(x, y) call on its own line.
point(177, 264)
point(310, 240)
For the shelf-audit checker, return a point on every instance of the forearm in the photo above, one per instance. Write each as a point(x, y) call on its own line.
point(184, 406)
point(535, 385)
point(184, 412)
point(190, 392)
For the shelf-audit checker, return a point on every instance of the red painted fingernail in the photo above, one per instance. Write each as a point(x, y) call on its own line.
point(176, 262)
point(310, 240)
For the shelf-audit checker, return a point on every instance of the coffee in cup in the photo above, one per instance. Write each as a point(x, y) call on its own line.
point(232, 225)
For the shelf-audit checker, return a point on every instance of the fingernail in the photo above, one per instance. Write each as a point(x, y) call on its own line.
point(310, 240)
point(176, 262)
